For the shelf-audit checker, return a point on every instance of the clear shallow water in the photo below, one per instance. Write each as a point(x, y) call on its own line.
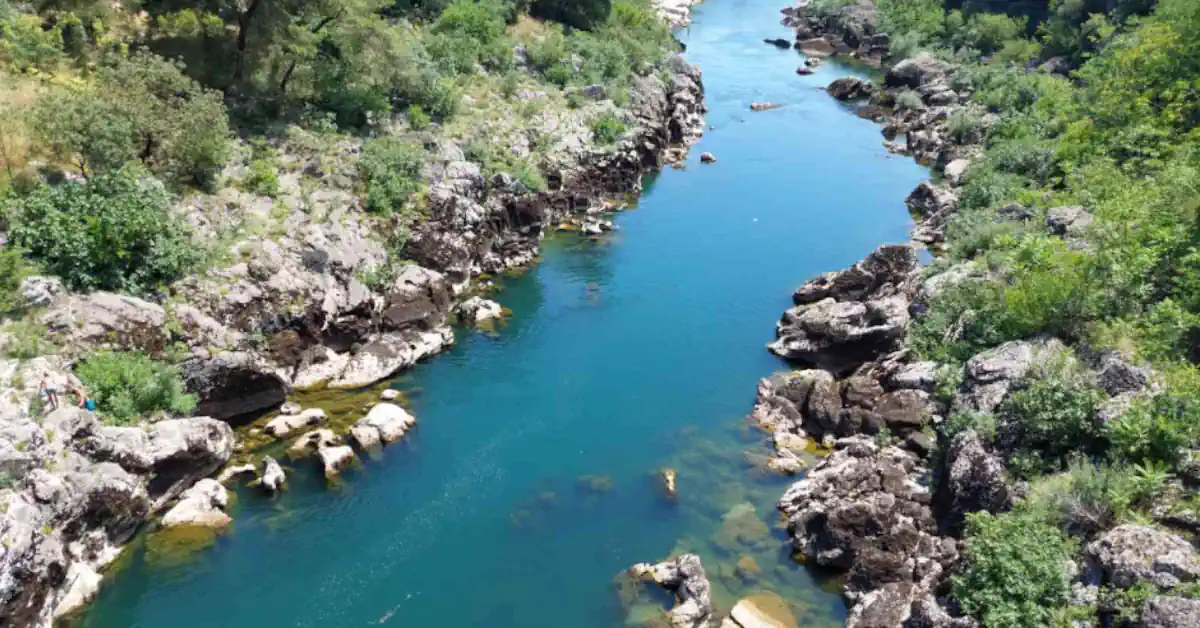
point(621, 358)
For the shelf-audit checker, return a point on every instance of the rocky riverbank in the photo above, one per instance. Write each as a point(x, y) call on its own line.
point(869, 508)
point(298, 305)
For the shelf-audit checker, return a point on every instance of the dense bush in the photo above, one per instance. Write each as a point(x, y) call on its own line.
point(1090, 498)
point(581, 14)
point(607, 128)
point(1053, 417)
point(142, 107)
point(127, 386)
point(1014, 573)
point(1157, 430)
point(390, 173)
point(114, 232)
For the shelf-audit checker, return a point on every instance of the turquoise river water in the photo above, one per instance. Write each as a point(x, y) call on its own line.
point(622, 357)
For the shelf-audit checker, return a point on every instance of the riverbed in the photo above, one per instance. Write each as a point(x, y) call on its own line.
point(531, 480)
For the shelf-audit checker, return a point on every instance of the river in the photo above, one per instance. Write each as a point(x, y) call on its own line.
point(622, 357)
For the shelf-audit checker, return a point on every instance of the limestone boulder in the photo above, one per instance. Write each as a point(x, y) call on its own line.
point(202, 505)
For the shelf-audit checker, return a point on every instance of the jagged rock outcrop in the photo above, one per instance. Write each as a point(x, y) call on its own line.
point(1133, 553)
point(850, 29)
point(684, 576)
point(1171, 612)
point(846, 318)
point(863, 510)
point(990, 375)
point(83, 490)
point(973, 480)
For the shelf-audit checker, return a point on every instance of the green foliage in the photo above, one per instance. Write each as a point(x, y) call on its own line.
point(128, 386)
point(13, 269)
point(1014, 570)
point(114, 232)
point(581, 14)
point(141, 107)
point(924, 18)
point(1090, 498)
point(964, 126)
point(390, 173)
point(1054, 416)
point(25, 44)
point(910, 100)
point(261, 173)
point(987, 33)
point(28, 340)
point(417, 118)
point(607, 128)
point(1156, 430)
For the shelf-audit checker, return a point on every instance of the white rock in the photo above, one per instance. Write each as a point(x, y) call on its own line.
point(335, 459)
point(475, 310)
point(228, 473)
point(284, 424)
point(289, 408)
point(312, 441)
point(385, 423)
point(273, 476)
point(390, 394)
point(202, 505)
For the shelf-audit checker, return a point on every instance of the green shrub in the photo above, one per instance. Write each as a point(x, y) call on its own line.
point(115, 232)
point(417, 118)
point(910, 100)
point(28, 340)
point(607, 128)
point(965, 126)
point(390, 173)
point(13, 270)
point(261, 174)
point(1055, 415)
point(530, 177)
point(921, 17)
point(582, 14)
point(127, 386)
point(1155, 430)
point(1014, 573)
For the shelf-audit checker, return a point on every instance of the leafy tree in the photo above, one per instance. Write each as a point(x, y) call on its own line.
point(141, 107)
point(128, 385)
point(114, 232)
point(582, 14)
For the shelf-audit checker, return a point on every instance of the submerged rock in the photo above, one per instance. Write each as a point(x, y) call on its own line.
point(779, 43)
point(684, 576)
point(284, 424)
point(668, 478)
point(763, 106)
point(202, 505)
point(764, 610)
point(708, 158)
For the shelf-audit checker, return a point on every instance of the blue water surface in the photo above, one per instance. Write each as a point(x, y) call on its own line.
point(621, 358)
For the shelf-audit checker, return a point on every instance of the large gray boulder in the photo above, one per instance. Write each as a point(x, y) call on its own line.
point(973, 480)
point(202, 505)
point(1129, 554)
point(990, 375)
point(849, 317)
point(917, 72)
point(850, 88)
point(1171, 612)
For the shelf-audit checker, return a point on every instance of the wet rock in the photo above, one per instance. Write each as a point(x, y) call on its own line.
point(1131, 553)
point(708, 158)
point(668, 478)
point(684, 576)
point(850, 88)
point(930, 200)
point(390, 394)
point(763, 610)
point(974, 480)
point(290, 408)
point(228, 473)
point(202, 505)
point(385, 423)
point(284, 424)
point(476, 310)
point(1171, 612)
point(311, 442)
point(763, 106)
point(804, 70)
point(779, 43)
point(916, 72)
point(335, 458)
point(273, 476)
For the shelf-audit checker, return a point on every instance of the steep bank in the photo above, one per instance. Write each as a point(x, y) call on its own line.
point(925, 449)
point(293, 308)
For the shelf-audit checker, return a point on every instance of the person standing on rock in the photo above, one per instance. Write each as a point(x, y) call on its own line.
point(50, 393)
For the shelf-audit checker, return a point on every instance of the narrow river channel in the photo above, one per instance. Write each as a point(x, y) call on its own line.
point(622, 357)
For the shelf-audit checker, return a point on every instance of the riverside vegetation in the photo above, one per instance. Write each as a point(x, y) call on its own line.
point(207, 206)
point(1042, 368)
